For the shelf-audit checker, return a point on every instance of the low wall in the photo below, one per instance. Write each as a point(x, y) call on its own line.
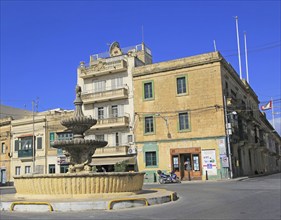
point(79, 183)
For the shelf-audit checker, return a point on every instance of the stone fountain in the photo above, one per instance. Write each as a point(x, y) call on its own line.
point(80, 180)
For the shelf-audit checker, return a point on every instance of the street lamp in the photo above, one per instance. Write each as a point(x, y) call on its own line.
point(167, 124)
point(228, 132)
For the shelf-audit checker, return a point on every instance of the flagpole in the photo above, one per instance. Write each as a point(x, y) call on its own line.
point(272, 113)
point(238, 46)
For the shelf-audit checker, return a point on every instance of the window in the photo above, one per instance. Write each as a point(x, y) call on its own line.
point(117, 139)
point(150, 158)
point(114, 111)
point(183, 121)
point(181, 85)
point(148, 90)
point(17, 145)
point(148, 124)
point(99, 86)
point(64, 168)
point(27, 169)
point(52, 168)
point(52, 138)
point(17, 171)
point(39, 142)
point(117, 83)
point(65, 136)
point(100, 113)
point(3, 148)
point(99, 137)
point(130, 138)
point(26, 143)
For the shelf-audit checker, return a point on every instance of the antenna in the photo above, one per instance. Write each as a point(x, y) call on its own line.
point(215, 45)
point(238, 45)
point(246, 57)
point(142, 34)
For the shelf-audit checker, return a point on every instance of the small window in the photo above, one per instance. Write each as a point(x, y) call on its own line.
point(52, 168)
point(99, 137)
point(150, 158)
point(3, 148)
point(181, 85)
point(100, 113)
point(114, 111)
point(64, 168)
point(27, 169)
point(17, 171)
point(148, 90)
point(183, 121)
point(17, 145)
point(130, 138)
point(39, 142)
point(149, 124)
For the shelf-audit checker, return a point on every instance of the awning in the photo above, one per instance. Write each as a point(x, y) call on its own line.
point(112, 160)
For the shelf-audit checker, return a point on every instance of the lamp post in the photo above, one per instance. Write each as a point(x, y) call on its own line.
point(167, 124)
point(227, 129)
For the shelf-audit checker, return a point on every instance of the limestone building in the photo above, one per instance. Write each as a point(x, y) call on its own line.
point(31, 138)
point(107, 93)
point(197, 117)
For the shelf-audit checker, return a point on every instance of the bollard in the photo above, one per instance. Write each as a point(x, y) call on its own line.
point(189, 179)
point(206, 174)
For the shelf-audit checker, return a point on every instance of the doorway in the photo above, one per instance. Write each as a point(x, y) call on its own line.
point(3, 177)
point(187, 163)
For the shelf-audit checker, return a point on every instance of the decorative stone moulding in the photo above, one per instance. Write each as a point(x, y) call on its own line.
point(79, 184)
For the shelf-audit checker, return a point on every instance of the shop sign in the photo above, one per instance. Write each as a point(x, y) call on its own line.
point(209, 162)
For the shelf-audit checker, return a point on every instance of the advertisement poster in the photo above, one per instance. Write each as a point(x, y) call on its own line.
point(209, 162)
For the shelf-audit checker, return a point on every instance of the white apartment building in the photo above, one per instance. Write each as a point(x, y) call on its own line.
point(108, 96)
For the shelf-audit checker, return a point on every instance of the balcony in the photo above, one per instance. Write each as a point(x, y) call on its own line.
point(111, 151)
point(111, 123)
point(94, 97)
point(25, 154)
point(100, 68)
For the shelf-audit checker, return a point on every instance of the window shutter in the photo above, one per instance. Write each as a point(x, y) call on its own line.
point(113, 84)
point(39, 142)
point(120, 110)
point(16, 145)
point(113, 138)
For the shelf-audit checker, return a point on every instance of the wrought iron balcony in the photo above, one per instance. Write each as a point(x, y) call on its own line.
point(107, 95)
point(101, 67)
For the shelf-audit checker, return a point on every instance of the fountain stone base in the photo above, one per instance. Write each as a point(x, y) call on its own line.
point(79, 184)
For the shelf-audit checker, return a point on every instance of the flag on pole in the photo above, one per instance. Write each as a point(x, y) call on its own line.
point(267, 106)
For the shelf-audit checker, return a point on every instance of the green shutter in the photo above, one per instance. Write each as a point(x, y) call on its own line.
point(52, 138)
point(16, 145)
point(39, 142)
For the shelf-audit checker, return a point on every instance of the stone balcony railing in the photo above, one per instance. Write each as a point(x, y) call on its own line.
point(108, 95)
point(113, 122)
point(111, 151)
point(100, 68)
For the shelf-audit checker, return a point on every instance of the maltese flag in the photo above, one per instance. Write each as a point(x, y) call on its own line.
point(267, 106)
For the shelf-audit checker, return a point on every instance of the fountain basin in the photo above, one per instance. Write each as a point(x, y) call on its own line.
point(73, 184)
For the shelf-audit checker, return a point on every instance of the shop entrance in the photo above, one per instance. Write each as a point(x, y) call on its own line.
point(186, 163)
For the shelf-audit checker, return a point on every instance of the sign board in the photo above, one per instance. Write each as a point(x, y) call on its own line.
point(224, 161)
point(209, 162)
point(221, 143)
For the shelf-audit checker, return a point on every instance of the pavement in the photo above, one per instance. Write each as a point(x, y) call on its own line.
point(14, 202)
point(153, 196)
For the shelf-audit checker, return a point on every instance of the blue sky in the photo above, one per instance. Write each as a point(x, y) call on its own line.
point(42, 42)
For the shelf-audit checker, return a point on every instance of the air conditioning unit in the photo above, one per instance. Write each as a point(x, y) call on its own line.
point(132, 151)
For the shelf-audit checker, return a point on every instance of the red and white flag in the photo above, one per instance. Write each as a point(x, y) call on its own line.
point(267, 106)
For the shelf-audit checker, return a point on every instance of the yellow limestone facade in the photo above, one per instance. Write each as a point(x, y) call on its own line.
point(180, 120)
